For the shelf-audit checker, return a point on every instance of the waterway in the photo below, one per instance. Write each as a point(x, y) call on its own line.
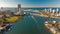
point(31, 25)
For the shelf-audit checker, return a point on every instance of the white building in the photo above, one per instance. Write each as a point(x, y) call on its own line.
point(50, 10)
point(57, 10)
point(53, 11)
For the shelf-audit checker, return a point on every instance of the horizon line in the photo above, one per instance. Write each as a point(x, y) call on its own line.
point(31, 7)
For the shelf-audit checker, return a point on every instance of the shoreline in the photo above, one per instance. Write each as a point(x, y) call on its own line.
point(45, 16)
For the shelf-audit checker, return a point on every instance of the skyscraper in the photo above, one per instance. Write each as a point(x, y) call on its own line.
point(19, 7)
point(20, 10)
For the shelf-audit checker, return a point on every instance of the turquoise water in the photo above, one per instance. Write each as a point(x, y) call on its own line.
point(30, 25)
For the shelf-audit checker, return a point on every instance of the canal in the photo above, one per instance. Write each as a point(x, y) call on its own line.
point(30, 25)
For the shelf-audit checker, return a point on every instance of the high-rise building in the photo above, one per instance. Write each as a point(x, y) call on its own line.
point(50, 9)
point(20, 10)
point(19, 7)
point(53, 11)
point(57, 9)
point(45, 10)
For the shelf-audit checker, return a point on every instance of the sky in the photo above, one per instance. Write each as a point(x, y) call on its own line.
point(30, 3)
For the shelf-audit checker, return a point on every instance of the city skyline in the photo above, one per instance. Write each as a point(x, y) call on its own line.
point(30, 3)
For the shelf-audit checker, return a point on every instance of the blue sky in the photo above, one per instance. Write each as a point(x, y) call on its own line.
point(30, 3)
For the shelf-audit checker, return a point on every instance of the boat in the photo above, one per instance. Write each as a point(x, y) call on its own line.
point(53, 26)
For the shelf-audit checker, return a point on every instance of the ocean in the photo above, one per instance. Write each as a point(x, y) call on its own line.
point(41, 8)
point(31, 24)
